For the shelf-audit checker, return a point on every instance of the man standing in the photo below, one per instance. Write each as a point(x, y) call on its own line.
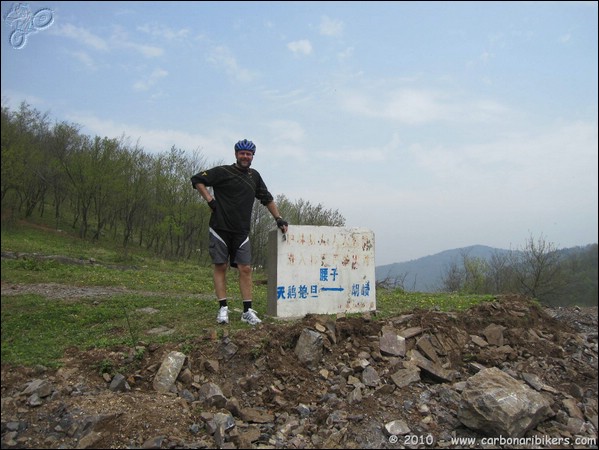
point(235, 187)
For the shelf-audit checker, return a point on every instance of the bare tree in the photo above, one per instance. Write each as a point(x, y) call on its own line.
point(502, 276)
point(394, 282)
point(453, 280)
point(538, 269)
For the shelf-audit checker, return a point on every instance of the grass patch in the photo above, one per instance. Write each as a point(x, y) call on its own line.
point(394, 302)
point(153, 276)
point(37, 330)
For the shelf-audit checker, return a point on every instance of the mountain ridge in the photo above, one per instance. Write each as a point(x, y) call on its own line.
point(425, 274)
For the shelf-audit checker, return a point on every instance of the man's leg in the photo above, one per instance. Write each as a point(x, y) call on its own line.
point(220, 280)
point(220, 286)
point(245, 281)
point(245, 286)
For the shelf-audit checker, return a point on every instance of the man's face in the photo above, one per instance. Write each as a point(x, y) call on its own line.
point(244, 158)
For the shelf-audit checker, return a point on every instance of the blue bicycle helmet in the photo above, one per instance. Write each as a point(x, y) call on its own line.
point(245, 145)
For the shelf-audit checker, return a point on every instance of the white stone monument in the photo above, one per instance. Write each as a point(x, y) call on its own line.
point(320, 270)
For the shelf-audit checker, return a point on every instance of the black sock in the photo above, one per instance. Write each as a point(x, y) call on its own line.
point(247, 304)
point(222, 302)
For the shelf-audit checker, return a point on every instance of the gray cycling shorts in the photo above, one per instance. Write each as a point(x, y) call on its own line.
point(230, 247)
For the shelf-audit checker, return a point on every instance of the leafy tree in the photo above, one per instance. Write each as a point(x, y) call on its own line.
point(12, 165)
point(580, 271)
point(106, 173)
point(471, 276)
point(24, 160)
point(302, 212)
point(476, 270)
point(65, 137)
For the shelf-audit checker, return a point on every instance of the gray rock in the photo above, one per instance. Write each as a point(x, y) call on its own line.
point(497, 404)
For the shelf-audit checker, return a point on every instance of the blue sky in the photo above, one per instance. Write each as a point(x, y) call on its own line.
point(437, 125)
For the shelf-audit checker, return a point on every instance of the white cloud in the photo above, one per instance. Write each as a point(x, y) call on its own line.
point(221, 57)
point(564, 38)
point(290, 98)
point(405, 105)
point(366, 155)
point(165, 32)
point(331, 27)
point(81, 35)
point(421, 106)
point(554, 162)
point(302, 46)
point(287, 131)
point(146, 50)
point(151, 80)
point(346, 54)
point(119, 39)
point(153, 140)
point(85, 59)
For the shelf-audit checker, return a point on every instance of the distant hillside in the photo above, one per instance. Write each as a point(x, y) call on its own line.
point(425, 274)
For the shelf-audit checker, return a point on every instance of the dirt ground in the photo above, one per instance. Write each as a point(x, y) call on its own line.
point(279, 402)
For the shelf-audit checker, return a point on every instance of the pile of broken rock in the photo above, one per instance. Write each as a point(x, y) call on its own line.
point(504, 374)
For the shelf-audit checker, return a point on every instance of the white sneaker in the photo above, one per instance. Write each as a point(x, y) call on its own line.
point(223, 315)
point(250, 317)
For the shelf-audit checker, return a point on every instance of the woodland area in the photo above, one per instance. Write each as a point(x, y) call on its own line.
point(539, 270)
point(108, 189)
